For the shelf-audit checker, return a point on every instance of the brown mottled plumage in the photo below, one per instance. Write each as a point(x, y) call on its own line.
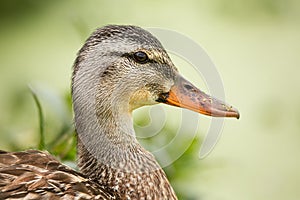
point(35, 174)
point(119, 69)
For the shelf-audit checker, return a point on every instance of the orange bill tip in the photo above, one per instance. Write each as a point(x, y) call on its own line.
point(186, 95)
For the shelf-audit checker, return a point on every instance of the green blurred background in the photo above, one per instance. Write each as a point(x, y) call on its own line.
point(255, 45)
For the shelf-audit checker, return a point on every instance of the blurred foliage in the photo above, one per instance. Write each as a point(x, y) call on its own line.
point(15, 10)
point(253, 9)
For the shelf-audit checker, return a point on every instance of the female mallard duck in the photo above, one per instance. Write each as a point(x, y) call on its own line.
point(119, 69)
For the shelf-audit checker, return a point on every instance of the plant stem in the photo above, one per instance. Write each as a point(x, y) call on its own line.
point(41, 145)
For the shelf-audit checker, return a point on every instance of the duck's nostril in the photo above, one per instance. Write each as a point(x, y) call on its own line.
point(188, 87)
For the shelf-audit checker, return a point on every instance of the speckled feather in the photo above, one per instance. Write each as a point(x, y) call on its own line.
point(35, 174)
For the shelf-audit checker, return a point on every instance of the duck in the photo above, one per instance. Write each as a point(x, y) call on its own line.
point(119, 69)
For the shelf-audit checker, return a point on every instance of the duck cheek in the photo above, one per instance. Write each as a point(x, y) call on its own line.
point(141, 98)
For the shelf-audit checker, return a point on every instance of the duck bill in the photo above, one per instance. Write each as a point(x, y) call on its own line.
point(184, 94)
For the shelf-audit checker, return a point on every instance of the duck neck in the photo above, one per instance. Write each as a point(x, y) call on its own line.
point(109, 153)
point(105, 132)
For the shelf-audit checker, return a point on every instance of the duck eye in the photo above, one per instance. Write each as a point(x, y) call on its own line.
point(140, 57)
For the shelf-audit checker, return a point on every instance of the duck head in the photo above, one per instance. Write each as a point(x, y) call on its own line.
point(127, 68)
